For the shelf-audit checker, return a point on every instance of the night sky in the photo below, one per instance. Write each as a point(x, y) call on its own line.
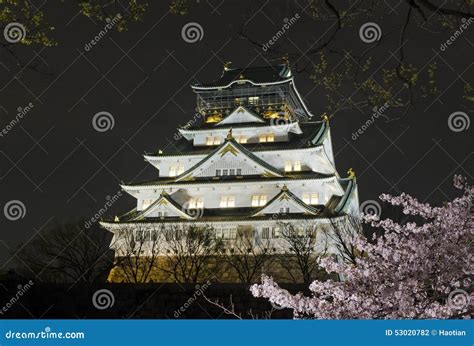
point(61, 168)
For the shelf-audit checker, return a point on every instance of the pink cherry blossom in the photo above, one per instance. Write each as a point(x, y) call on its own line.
point(408, 272)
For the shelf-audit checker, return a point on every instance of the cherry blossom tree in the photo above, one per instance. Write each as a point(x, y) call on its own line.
point(422, 268)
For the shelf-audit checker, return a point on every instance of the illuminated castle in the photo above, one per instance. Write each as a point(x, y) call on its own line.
point(255, 157)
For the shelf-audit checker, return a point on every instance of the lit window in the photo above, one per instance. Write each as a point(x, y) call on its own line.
point(146, 203)
point(253, 100)
point(213, 140)
point(297, 166)
point(241, 139)
point(310, 198)
point(227, 202)
point(176, 170)
point(195, 203)
point(259, 200)
point(292, 166)
point(268, 137)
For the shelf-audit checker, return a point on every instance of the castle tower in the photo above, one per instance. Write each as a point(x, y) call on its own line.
point(252, 157)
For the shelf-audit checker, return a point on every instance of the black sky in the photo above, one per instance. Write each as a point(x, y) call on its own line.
point(61, 168)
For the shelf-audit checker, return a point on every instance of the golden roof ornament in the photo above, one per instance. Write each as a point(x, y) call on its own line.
point(241, 76)
point(227, 65)
point(286, 59)
point(326, 117)
point(229, 134)
point(160, 152)
point(116, 219)
point(350, 173)
point(284, 188)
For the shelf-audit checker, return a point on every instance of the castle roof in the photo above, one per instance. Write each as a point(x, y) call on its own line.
point(255, 75)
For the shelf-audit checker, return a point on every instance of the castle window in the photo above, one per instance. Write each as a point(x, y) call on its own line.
point(161, 214)
point(285, 210)
point(266, 137)
point(276, 232)
point(241, 139)
point(225, 172)
point(253, 100)
point(232, 171)
point(195, 203)
point(227, 202)
point(266, 233)
point(218, 172)
point(210, 140)
point(297, 166)
point(310, 198)
point(239, 171)
point(176, 170)
point(146, 203)
point(229, 233)
point(259, 200)
point(291, 166)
